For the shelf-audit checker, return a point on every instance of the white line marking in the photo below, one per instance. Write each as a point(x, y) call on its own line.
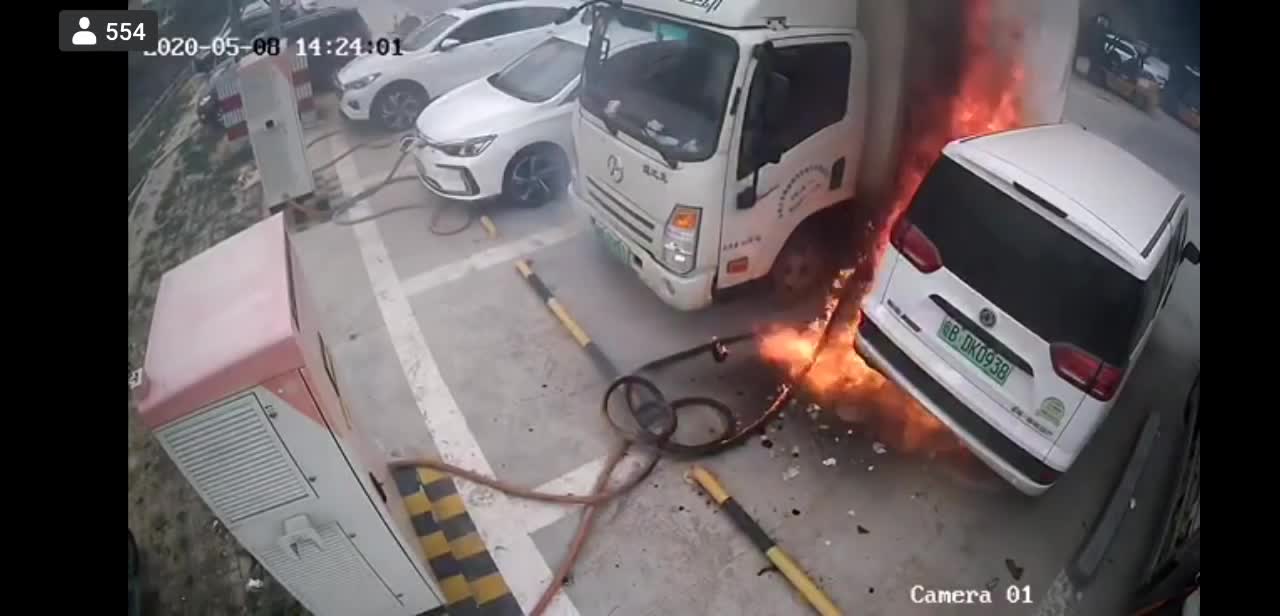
point(537, 516)
point(497, 255)
point(522, 566)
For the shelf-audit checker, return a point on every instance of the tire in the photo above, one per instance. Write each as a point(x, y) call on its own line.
point(535, 176)
point(803, 265)
point(397, 106)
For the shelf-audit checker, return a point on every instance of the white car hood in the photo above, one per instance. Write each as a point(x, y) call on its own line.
point(367, 65)
point(472, 110)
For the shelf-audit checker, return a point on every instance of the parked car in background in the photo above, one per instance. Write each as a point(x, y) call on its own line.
point(1123, 69)
point(453, 48)
point(1182, 96)
point(325, 24)
point(508, 133)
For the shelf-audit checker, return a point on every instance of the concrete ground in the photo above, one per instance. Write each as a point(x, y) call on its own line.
point(442, 348)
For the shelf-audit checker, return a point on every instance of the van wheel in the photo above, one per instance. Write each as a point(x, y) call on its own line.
point(536, 175)
point(397, 106)
point(801, 266)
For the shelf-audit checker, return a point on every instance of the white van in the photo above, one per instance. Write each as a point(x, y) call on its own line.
point(1020, 286)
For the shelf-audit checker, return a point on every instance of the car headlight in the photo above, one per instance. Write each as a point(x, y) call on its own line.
point(361, 82)
point(467, 147)
point(680, 239)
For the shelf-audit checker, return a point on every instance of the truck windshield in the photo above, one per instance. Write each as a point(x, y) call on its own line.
point(542, 72)
point(661, 82)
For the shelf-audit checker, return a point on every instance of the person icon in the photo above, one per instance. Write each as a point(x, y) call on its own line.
point(84, 36)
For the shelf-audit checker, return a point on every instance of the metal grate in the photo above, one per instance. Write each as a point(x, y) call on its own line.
point(332, 577)
point(234, 458)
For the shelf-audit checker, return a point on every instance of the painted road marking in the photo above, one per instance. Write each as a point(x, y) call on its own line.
point(537, 516)
point(498, 255)
point(514, 551)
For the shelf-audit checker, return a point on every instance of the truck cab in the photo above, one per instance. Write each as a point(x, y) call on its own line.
point(708, 133)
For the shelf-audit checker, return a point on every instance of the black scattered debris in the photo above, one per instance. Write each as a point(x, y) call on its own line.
point(531, 429)
point(795, 454)
point(766, 570)
point(544, 385)
point(795, 512)
point(567, 581)
point(872, 590)
point(1014, 569)
point(766, 443)
point(862, 530)
point(352, 336)
point(680, 508)
point(617, 566)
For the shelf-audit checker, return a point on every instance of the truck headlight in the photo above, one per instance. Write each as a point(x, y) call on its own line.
point(362, 82)
point(680, 239)
point(467, 147)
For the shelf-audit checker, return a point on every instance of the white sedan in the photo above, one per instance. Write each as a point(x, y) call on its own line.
point(452, 48)
point(507, 134)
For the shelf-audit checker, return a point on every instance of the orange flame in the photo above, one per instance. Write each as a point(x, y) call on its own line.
point(985, 98)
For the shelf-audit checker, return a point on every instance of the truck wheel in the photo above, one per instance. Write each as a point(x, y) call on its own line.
point(536, 175)
point(397, 106)
point(801, 266)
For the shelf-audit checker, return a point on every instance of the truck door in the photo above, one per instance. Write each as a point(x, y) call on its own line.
point(814, 139)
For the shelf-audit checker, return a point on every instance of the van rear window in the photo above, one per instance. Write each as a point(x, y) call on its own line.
point(1050, 282)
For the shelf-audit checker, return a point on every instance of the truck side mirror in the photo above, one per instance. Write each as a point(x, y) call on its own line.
point(1191, 253)
point(449, 43)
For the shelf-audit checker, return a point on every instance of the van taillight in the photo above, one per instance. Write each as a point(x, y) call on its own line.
point(915, 246)
point(1092, 375)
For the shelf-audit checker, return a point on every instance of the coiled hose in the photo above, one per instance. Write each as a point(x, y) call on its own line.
point(658, 419)
point(338, 211)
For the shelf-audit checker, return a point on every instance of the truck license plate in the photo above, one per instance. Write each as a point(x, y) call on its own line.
point(986, 359)
point(614, 245)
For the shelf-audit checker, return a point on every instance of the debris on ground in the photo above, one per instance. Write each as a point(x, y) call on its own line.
point(829, 462)
point(792, 472)
point(992, 583)
point(795, 451)
point(1014, 569)
point(824, 427)
point(1133, 504)
point(851, 513)
point(862, 530)
point(254, 584)
point(826, 542)
point(879, 448)
point(766, 442)
point(766, 570)
point(871, 467)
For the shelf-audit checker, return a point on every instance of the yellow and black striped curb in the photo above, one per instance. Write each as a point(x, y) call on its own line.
point(579, 334)
point(743, 520)
point(458, 557)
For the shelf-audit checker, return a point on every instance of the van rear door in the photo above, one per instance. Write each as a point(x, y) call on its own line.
point(1029, 315)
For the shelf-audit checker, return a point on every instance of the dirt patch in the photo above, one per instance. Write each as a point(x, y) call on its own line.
point(189, 202)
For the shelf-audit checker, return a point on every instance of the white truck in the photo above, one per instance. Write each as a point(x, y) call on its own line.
point(715, 139)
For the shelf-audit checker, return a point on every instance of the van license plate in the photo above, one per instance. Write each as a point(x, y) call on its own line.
point(986, 359)
point(615, 245)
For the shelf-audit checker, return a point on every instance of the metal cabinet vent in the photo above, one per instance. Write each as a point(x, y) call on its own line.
point(234, 458)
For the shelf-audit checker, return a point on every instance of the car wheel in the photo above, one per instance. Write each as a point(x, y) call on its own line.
point(536, 175)
point(397, 106)
point(800, 267)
